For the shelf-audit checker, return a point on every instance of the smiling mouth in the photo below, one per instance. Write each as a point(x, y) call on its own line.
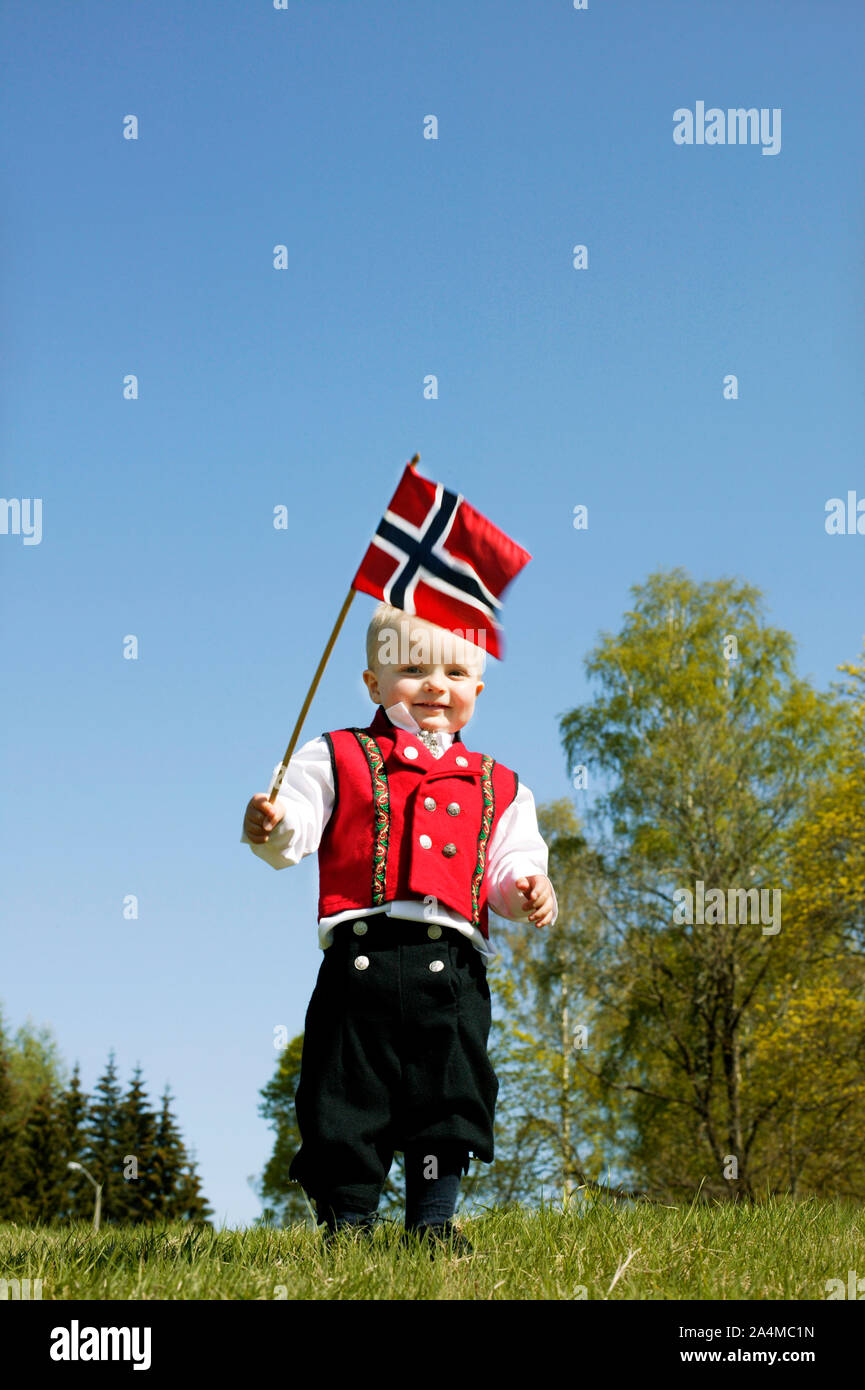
point(420, 704)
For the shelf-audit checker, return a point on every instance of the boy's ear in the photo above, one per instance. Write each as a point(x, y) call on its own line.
point(479, 688)
point(370, 680)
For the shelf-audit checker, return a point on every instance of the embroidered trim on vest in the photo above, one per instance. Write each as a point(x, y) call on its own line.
point(487, 813)
point(381, 804)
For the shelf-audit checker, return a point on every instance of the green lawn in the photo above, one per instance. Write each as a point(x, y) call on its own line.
point(779, 1249)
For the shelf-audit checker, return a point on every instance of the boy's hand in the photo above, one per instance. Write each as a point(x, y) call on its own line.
point(261, 817)
point(538, 894)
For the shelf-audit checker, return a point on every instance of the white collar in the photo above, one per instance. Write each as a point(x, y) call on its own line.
point(398, 714)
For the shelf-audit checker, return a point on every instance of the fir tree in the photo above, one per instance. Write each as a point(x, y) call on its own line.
point(103, 1150)
point(137, 1140)
point(167, 1159)
point(77, 1204)
point(191, 1205)
point(176, 1185)
point(46, 1123)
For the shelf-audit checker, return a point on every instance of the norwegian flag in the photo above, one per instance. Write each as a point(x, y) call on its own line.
point(434, 556)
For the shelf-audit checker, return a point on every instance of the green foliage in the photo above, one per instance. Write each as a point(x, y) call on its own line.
point(707, 771)
point(42, 1170)
point(47, 1122)
point(283, 1201)
point(706, 760)
point(808, 1056)
point(136, 1133)
point(32, 1125)
point(77, 1204)
point(103, 1153)
point(547, 1138)
point(35, 1066)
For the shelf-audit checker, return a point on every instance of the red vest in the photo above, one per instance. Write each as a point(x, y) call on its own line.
point(408, 825)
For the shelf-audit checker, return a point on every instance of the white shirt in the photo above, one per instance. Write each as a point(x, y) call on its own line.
point(307, 794)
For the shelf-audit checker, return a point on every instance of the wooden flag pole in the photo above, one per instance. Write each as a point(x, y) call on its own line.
point(283, 767)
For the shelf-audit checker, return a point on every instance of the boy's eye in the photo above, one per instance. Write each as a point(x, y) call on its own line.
point(455, 671)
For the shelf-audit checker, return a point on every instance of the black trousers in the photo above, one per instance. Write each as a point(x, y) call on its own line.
point(394, 1056)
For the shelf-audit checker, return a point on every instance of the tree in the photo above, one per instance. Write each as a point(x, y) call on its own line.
point(11, 1158)
point(283, 1201)
point(42, 1185)
point(177, 1188)
point(809, 1043)
point(32, 1174)
point(36, 1063)
point(190, 1203)
point(136, 1129)
point(706, 746)
point(77, 1200)
point(548, 1112)
point(46, 1124)
point(103, 1149)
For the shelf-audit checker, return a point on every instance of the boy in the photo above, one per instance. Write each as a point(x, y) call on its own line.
point(417, 837)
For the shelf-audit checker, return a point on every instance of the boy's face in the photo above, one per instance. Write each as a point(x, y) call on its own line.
point(438, 681)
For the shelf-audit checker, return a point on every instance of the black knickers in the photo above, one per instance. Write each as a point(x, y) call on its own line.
point(394, 1055)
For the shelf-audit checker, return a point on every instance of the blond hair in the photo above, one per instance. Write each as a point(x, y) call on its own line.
point(393, 627)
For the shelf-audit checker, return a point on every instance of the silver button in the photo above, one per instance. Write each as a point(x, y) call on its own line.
point(462, 762)
point(360, 929)
point(410, 751)
point(449, 851)
point(361, 962)
point(433, 932)
point(454, 808)
point(436, 965)
point(424, 841)
point(429, 804)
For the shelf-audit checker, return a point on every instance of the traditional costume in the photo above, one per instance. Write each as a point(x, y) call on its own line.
point(417, 838)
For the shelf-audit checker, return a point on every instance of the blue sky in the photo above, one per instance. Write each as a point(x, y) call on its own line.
point(259, 387)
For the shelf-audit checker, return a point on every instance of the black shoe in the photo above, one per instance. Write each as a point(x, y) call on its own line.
point(332, 1231)
point(442, 1237)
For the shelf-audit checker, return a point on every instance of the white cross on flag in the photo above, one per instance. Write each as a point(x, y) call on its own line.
point(434, 556)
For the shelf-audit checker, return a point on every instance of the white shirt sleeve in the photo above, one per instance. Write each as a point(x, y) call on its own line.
point(516, 850)
point(307, 795)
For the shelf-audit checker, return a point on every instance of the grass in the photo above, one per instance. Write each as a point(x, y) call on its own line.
point(779, 1249)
